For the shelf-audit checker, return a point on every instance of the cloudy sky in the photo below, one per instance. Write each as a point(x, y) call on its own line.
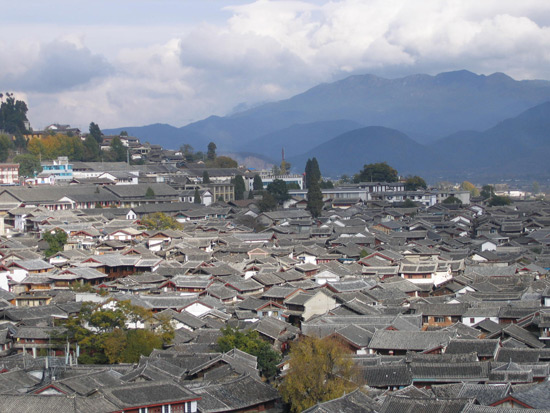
point(136, 62)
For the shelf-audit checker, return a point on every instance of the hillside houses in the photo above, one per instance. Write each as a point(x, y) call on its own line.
point(428, 317)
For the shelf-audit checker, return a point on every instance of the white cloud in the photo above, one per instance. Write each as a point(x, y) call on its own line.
point(265, 50)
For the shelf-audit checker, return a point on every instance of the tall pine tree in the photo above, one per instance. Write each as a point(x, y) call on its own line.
point(239, 187)
point(314, 199)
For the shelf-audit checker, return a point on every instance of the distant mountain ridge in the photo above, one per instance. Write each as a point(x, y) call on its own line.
point(423, 107)
point(516, 147)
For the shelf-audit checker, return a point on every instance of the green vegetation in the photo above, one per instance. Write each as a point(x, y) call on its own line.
point(107, 338)
point(413, 183)
point(376, 172)
point(205, 177)
point(13, 117)
point(239, 187)
point(251, 343)
point(268, 202)
point(6, 145)
point(158, 221)
point(487, 191)
point(56, 241)
point(314, 199)
point(320, 370)
point(468, 186)
point(278, 190)
point(312, 171)
point(497, 200)
point(451, 200)
point(257, 184)
point(211, 153)
point(96, 132)
point(197, 196)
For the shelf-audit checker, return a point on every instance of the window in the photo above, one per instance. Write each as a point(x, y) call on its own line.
point(472, 320)
point(439, 319)
point(166, 409)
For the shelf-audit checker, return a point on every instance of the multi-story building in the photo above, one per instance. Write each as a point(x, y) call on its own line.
point(9, 173)
point(60, 168)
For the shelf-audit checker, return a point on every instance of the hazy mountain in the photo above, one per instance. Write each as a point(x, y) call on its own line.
point(347, 153)
point(518, 147)
point(423, 106)
point(514, 147)
point(297, 139)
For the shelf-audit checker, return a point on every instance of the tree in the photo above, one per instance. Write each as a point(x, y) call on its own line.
point(409, 203)
point(239, 187)
point(211, 153)
point(312, 171)
point(118, 151)
point(326, 184)
point(251, 343)
point(314, 199)
point(257, 184)
point(279, 190)
point(104, 334)
point(413, 183)
point(468, 186)
point(205, 177)
point(56, 241)
point(123, 133)
point(497, 200)
point(96, 132)
point(451, 200)
point(224, 162)
point(13, 115)
point(5, 146)
point(267, 203)
point(320, 370)
point(376, 172)
point(285, 167)
point(91, 149)
point(197, 196)
point(158, 221)
point(149, 193)
point(487, 191)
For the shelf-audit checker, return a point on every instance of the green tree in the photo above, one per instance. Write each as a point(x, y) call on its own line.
point(150, 193)
point(312, 172)
point(251, 343)
point(91, 149)
point(413, 183)
point(285, 167)
point(13, 115)
point(320, 370)
point(487, 191)
point(376, 172)
point(188, 152)
point(56, 241)
point(118, 150)
point(5, 146)
point(279, 190)
point(224, 162)
point(197, 196)
point(123, 133)
point(257, 184)
point(409, 204)
point(205, 177)
point(468, 186)
point(497, 200)
point(239, 187)
point(314, 199)
point(267, 203)
point(96, 132)
point(211, 153)
point(158, 221)
point(451, 200)
point(326, 184)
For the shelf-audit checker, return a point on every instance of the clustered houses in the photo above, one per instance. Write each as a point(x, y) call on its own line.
point(443, 308)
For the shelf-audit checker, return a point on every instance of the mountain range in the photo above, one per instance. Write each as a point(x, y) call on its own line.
point(443, 125)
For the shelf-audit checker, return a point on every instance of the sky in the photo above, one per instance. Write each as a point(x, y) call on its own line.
point(136, 62)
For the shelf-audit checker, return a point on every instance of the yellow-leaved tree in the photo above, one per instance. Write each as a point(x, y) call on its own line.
point(320, 370)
